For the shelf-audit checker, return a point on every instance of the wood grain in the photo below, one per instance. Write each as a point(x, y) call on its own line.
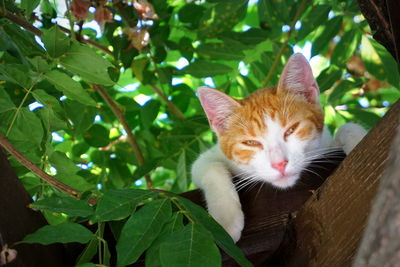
point(330, 225)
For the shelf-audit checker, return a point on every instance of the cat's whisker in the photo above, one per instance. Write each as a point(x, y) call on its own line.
point(313, 172)
point(259, 189)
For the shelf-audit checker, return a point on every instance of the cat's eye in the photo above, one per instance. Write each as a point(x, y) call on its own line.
point(290, 130)
point(253, 143)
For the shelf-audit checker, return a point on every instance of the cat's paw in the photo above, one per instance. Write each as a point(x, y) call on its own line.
point(231, 219)
point(348, 136)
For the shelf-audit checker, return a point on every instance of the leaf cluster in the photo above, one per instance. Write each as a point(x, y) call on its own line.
point(146, 126)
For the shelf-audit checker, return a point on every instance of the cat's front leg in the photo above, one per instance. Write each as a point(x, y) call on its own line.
point(210, 174)
point(348, 136)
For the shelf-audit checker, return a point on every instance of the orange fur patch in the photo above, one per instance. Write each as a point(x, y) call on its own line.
point(248, 120)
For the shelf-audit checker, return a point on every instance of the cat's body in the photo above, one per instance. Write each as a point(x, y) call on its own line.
point(270, 136)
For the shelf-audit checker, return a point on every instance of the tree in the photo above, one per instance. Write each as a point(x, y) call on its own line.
point(105, 115)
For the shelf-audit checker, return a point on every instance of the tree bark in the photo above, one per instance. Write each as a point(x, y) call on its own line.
point(381, 242)
point(383, 18)
point(17, 220)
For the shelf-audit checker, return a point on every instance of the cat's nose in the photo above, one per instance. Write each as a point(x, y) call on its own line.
point(280, 166)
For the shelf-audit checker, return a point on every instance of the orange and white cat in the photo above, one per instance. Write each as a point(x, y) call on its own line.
point(270, 136)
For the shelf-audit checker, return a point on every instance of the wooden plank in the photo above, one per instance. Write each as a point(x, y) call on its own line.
point(268, 211)
point(380, 245)
point(329, 226)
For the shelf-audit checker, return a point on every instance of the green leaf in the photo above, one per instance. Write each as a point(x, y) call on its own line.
point(82, 60)
point(247, 39)
point(67, 205)
point(153, 252)
point(341, 89)
point(119, 204)
point(82, 116)
point(345, 47)
point(47, 100)
point(191, 13)
point(144, 169)
point(316, 17)
point(62, 233)
point(62, 163)
point(75, 181)
point(29, 6)
point(91, 248)
point(97, 136)
point(328, 77)
point(149, 112)
point(141, 229)
point(138, 66)
point(69, 87)
point(201, 69)
point(191, 246)
point(39, 64)
point(23, 40)
point(331, 29)
point(50, 120)
point(379, 62)
point(181, 172)
point(224, 51)
point(364, 117)
point(222, 17)
point(221, 237)
point(6, 103)
point(26, 122)
point(16, 73)
point(55, 42)
point(274, 13)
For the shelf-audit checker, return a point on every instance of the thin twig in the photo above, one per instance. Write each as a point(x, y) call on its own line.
point(296, 17)
point(33, 168)
point(71, 22)
point(174, 109)
point(114, 107)
point(26, 25)
point(20, 21)
point(86, 39)
point(120, 115)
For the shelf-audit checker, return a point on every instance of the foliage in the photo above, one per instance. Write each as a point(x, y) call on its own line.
point(63, 104)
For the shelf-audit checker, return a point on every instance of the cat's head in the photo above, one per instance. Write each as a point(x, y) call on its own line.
point(269, 136)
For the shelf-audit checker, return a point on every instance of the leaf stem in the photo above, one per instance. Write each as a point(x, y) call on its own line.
point(174, 109)
point(120, 116)
point(181, 209)
point(296, 17)
point(71, 22)
point(36, 170)
point(27, 26)
point(18, 110)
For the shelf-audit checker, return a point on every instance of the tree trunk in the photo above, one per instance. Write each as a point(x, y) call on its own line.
point(17, 220)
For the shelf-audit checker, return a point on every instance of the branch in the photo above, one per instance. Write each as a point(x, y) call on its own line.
point(89, 41)
point(120, 115)
point(114, 107)
point(174, 109)
point(27, 26)
point(296, 17)
point(33, 168)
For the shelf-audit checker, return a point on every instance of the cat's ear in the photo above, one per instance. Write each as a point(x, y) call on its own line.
point(217, 105)
point(297, 75)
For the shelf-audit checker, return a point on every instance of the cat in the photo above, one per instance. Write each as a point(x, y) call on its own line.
point(270, 136)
